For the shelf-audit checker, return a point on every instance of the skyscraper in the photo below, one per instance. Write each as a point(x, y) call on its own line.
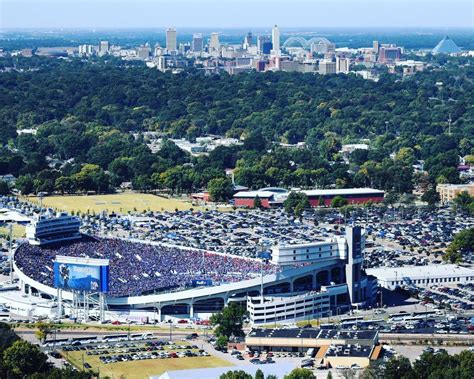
point(389, 53)
point(214, 43)
point(342, 65)
point(327, 67)
point(197, 45)
point(248, 40)
point(171, 39)
point(375, 47)
point(264, 45)
point(276, 40)
point(104, 47)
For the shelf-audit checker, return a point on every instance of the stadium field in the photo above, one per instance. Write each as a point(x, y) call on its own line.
point(118, 203)
point(142, 368)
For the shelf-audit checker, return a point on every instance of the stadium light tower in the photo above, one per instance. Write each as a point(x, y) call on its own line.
point(264, 257)
point(10, 251)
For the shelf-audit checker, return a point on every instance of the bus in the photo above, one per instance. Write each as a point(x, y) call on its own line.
point(311, 352)
point(115, 337)
point(83, 340)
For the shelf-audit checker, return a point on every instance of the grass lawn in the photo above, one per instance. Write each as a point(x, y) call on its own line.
point(144, 368)
point(119, 203)
point(18, 231)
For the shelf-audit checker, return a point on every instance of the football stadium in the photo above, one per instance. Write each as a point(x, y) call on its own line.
point(88, 277)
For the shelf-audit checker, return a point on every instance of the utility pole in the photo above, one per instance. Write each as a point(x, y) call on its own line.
point(10, 251)
point(449, 124)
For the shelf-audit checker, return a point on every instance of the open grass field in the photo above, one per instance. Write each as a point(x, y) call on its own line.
point(18, 231)
point(144, 368)
point(118, 203)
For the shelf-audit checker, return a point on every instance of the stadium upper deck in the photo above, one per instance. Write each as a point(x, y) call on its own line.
point(139, 269)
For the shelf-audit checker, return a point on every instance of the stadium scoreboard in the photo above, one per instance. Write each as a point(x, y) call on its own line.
point(81, 274)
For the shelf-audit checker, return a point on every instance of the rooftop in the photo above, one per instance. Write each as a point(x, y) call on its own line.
point(422, 272)
point(349, 351)
point(314, 333)
point(446, 46)
point(343, 191)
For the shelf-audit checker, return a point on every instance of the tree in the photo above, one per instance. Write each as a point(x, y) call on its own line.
point(24, 184)
point(338, 202)
point(398, 368)
point(329, 375)
point(220, 189)
point(240, 374)
point(300, 373)
point(462, 244)
point(259, 374)
point(222, 341)
point(257, 203)
point(391, 198)
point(92, 178)
point(44, 329)
point(229, 322)
point(4, 188)
point(23, 359)
point(463, 201)
point(431, 197)
point(296, 203)
point(64, 184)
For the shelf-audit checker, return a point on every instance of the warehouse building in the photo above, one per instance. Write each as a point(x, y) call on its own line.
point(421, 276)
point(330, 348)
point(301, 339)
point(274, 197)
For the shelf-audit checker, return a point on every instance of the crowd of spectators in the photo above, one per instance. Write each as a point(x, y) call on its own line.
point(138, 268)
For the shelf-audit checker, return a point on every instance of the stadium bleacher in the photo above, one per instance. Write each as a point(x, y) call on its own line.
point(138, 269)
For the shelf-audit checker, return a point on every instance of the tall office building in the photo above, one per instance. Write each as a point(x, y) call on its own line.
point(214, 44)
point(342, 65)
point(171, 39)
point(86, 50)
point(276, 40)
point(264, 45)
point(375, 47)
point(247, 41)
point(104, 47)
point(143, 52)
point(389, 53)
point(327, 67)
point(197, 44)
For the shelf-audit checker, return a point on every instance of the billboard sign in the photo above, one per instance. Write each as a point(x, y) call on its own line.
point(81, 274)
point(202, 282)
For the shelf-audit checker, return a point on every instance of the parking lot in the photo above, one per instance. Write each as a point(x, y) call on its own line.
point(408, 235)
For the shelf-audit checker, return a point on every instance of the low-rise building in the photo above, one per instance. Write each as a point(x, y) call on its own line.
point(272, 197)
point(421, 276)
point(447, 192)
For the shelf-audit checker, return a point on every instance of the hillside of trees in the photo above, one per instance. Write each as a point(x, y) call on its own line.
point(85, 111)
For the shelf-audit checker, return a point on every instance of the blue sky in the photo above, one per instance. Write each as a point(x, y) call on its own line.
point(235, 13)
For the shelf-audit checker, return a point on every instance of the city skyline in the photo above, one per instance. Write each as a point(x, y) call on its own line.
point(231, 14)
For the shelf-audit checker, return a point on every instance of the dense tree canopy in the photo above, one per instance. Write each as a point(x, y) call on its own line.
point(86, 112)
